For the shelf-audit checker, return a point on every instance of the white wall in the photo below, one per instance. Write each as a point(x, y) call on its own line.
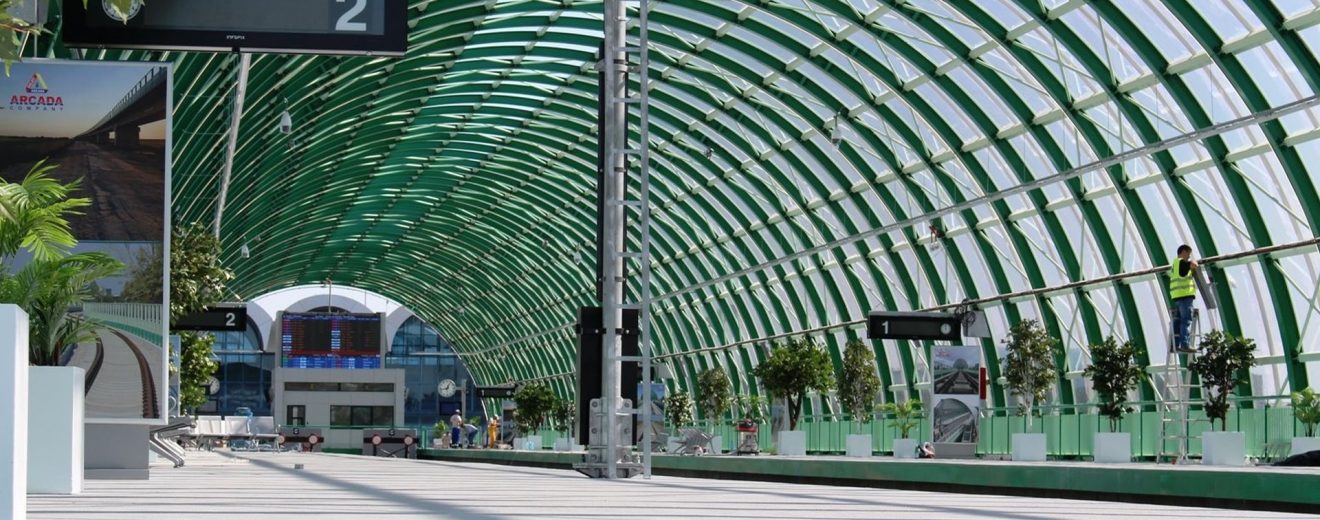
point(318, 403)
point(13, 412)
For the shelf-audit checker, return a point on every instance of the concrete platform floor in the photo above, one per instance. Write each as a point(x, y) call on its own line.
point(266, 486)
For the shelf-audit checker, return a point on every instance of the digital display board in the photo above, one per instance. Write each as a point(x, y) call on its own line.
point(914, 326)
point(377, 27)
point(323, 340)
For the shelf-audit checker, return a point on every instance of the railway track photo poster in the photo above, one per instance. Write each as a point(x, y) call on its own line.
point(101, 130)
point(956, 413)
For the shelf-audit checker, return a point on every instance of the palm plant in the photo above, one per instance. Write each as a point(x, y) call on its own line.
point(34, 215)
point(47, 290)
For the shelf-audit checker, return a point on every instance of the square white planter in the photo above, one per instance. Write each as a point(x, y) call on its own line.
point(55, 430)
point(1028, 447)
point(717, 445)
point(1113, 447)
point(518, 443)
point(905, 448)
point(565, 444)
point(532, 442)
point(859, 445)
point(672, 444)
point(13, 411)
point(792, 443)
point(1302, 445)
point(1224, 448)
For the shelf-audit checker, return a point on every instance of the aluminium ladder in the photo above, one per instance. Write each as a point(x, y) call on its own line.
point(1175, 420)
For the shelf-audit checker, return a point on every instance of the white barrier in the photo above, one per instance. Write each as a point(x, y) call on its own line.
point(13, 411)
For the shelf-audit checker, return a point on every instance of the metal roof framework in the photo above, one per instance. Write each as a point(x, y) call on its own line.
point(459, 179)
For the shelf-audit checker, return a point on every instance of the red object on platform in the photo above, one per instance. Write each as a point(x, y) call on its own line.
point(984, 381)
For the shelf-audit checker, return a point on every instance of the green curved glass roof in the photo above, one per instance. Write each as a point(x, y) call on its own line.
point(458, 179)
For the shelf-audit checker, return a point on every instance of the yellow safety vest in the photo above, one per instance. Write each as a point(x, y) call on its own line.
point(1180, 286)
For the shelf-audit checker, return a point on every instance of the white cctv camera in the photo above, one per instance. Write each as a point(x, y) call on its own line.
point(244, 251)
point(286, 123)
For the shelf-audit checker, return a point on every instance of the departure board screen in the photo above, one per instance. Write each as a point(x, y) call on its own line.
point(321, 340)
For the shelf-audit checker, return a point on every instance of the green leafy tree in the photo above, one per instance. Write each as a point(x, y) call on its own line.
point(752, 408)
point(563, 415)
point(144, 277)
point(1306, 408)
point(197, 279)
point(858, 383)
point(1222, 365)
point(535, 402)
point(1114, 372)
point(1029, 364)
point(716, 393)
point(678, 409)
point(793, 369)
point(903, 413)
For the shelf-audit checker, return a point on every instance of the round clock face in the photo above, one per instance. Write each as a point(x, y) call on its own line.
point(447, 388)
point(133, 8)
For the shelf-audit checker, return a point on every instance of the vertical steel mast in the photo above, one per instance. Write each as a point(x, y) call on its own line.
point(626, 204)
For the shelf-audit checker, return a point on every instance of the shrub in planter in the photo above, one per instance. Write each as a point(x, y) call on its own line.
point(1114, 372)
point(715, 394)
point(858, 387)
point(1306, 408)
point(534, 402)
point(1029, 364)
point(1222, 365)
point(794, 369)
point(678, 409)
point(904, 422)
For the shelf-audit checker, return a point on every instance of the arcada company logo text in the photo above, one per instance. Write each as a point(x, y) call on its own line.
point(36, 97)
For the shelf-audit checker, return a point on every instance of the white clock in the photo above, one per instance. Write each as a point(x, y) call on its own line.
point(447, 388)
point(133, 8)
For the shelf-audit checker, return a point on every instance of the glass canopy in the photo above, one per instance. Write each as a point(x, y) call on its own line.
point(813, 160)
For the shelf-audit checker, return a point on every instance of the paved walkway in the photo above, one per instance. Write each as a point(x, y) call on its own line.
point(266, 486)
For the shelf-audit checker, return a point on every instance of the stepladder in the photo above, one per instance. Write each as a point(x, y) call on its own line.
point(1175, 419)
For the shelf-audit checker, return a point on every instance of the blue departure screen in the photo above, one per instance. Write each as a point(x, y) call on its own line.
point(322, 340)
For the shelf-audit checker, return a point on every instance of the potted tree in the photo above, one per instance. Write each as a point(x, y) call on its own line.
point(1114, 372)
point(534, 402)
point(716, 396)
point(858, 387)
point(791, 371)
point(1222, 365)
point(1030, 373)
point(904, 448)
point(564, 413)
point(1306, 409)
point(678, 412)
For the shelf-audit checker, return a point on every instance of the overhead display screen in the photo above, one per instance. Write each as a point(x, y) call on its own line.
point(376, 27)
point(321, 340)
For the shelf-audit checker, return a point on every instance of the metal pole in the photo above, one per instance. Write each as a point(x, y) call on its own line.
point(244, 62)
point(614, 60)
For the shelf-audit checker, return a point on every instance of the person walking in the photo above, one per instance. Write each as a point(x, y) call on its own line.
point(1182, 292)
point(493, 429)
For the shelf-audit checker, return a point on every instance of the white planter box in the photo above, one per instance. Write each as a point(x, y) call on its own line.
point(13, 411)
point(1224, 448)
point(672, 444)
point(905, 448)
point(55, 430)
point(1113, 447)
point(532, 442)
point(565, 444)
point(792, 443)
point(1028, 447)
point(518, 443)
point(717, 445)
point(859, 445)
point(1302, 445)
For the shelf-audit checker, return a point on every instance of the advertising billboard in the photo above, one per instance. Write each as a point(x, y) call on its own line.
point(104, 128)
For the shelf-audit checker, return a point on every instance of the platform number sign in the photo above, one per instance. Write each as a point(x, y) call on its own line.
point(934, 326)
point(215, 319)
point(346, 22)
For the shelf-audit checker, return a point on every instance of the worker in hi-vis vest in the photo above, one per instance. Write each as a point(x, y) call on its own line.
point(1182, 291)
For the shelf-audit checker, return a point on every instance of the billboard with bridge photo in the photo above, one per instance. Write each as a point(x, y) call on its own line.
point(105, 125)
point(956, 414)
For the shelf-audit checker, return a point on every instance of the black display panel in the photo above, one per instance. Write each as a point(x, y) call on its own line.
point(376, 27)
point(914, 326)
point(215, 319)
point(322, 340)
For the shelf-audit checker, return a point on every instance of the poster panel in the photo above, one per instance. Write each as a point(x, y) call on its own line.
point(956, 412)
point(106, 127)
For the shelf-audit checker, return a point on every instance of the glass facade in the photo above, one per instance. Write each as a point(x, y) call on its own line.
point(427, 359)
point(244, 375)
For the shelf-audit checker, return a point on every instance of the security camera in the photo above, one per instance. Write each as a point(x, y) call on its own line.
point(286, 123)
point(244, 252)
